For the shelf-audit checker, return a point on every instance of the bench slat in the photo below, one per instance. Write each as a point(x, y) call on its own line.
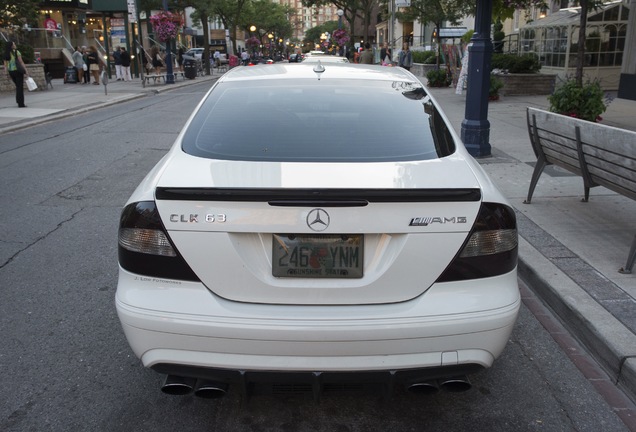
point(604, 155)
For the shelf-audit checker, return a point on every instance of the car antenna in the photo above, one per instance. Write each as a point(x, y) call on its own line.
point(319, 68)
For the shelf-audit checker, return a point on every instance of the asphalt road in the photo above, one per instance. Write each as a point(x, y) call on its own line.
point(66, 366)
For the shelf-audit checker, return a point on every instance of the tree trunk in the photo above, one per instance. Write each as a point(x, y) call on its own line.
point(205, 58)
point(580, 60)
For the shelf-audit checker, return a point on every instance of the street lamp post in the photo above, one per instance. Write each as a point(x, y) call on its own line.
point(169, 73)
point(340, 13)
point(252, 30)
point(271, 45)
point(475, 131)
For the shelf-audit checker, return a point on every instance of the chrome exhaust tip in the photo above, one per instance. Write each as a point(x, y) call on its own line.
point(210, 389)
point(456, 384)
point(423, 387)
point(177, 385)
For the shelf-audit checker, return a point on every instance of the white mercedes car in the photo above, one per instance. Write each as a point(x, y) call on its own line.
point(371, 247)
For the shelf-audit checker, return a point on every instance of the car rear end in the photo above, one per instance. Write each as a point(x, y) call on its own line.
point(367, 248)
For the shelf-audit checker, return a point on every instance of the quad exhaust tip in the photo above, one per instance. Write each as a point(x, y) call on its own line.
point(208, 389)
point(179, 386)
point(454, 384)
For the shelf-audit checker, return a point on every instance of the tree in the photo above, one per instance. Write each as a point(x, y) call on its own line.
point(349, 7)
point(268, 18)
point(438, 12)
point(312, 35)
point(586, 6)
point(17, 13)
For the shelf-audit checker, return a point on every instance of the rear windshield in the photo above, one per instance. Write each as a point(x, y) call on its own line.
point(318, 121)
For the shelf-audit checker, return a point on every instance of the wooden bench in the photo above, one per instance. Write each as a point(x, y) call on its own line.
point(602, 155)
point(162, 77)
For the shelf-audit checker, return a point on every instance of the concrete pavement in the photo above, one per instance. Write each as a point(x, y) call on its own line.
point(570, 251)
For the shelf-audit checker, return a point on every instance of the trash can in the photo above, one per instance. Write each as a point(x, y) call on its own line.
point(70, 75)
point(190, 68)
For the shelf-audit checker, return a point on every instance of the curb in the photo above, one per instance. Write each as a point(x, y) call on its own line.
point(22, 124)
point(607, 339)
point(145, 91)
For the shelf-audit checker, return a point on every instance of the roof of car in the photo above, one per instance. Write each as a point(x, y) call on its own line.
point(326, 59)
point(308, 70)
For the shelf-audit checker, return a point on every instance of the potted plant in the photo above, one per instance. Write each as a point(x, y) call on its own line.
point(495, 85)
point(586, 102)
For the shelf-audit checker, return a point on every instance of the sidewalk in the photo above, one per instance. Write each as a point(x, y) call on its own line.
point(69, 99)
point(570, 251)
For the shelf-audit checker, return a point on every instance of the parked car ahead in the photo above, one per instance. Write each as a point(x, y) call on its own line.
point(195, 52)
point(325, 59)
point(363, 250)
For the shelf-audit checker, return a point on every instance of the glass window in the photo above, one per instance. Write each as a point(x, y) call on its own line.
point(318, 121)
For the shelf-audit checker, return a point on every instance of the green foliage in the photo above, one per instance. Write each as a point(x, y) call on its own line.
point(527, 63)
point(427, 57)
point(18, 13)
point(468, 36)
point(495, 85)
point(438, 78)
point(26, 51)
point(586, 102)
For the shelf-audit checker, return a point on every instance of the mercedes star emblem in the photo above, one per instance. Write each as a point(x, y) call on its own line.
point(318, 219)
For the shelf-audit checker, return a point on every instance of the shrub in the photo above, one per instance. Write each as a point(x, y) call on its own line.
point(25, 50)
point(498, 37)
point(495, 85)
point(527, 63)
point(468, 36)
point(423, 56)
point(586, 102)
point(438, 78)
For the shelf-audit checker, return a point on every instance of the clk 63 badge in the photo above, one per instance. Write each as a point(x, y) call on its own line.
point(194, 218)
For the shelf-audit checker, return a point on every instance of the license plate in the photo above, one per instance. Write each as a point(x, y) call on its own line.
point(317, 256)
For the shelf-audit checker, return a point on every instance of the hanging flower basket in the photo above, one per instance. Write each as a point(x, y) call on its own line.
point(340, 37)
point(253, 42)
point(166, 25)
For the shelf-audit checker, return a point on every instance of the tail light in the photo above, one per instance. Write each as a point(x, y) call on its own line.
point(144, 245)
point(491, 248)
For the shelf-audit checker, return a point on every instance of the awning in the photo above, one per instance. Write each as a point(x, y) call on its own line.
point(452, 32)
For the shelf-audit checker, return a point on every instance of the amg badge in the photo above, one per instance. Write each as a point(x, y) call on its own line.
point(429, 220)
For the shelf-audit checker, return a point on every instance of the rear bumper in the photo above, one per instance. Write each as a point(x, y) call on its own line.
point(175, 327)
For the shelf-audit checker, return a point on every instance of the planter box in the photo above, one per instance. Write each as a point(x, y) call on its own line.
point(36, 71)
point(526, 84)
point(421, 69)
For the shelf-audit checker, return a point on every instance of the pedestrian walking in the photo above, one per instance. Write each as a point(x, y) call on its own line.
point(16, 70)
point(180, 58)
point(125, 65)
point(366, 57)
point(93, 63)
point(117, 59)
point(78, 63)
point(406, 57)
point(157, 60)
point(87, 73)
point(386, 55)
